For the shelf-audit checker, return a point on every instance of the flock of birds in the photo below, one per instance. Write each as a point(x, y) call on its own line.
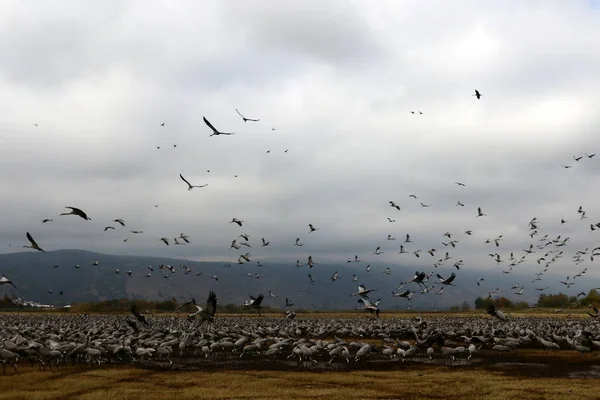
point(52, 341)
point(56, 340)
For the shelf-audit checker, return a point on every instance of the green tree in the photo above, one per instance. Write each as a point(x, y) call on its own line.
point(479, 303)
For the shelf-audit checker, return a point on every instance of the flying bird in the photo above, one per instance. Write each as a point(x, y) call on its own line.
point(244, 118)
point(215, 132)
point(120, 221)
point(237, 221)
point(206, 314)
point(477, 94)
point(47, 220)
point(254, 302)
point(5, 281)
point(78, 212)
point(33, 245)
point(312, 228)
point(138, 315)
point(190, 186)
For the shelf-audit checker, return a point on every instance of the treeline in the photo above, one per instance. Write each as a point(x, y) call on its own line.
point(559, 300)
point(500, 302)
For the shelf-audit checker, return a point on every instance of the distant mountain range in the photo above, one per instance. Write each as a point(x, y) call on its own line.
point(35, 274)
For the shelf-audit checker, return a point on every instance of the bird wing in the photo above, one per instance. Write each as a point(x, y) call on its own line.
point(183, 179)
point(33, 243)
point(210, 125)
point(239, 113)
point(211, 303)
point(78, 212)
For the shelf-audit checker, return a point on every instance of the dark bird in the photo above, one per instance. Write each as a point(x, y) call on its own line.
point(477, 94)
point(394, 205)
point(590, 155)
point(78, 212)
point(163, 124)
point(132, 324)
point(237, 221)
point(109, 227)
point(33, 245)
point(254, 302)
point(47, 220)
point(460, 184)
point(491, 309)
point(119, 221)
point(447, 281)
point(215, 132)
point(138, 315)
point(312, 228)
point(288, 303)
point(190, 186)
point(479, 213)
point(244, 118)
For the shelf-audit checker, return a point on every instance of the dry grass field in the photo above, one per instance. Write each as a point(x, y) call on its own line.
point(415, 382)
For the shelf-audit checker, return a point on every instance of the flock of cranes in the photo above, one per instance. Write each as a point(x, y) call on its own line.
point(52, 341)
point(309, 339)
point(552, 248)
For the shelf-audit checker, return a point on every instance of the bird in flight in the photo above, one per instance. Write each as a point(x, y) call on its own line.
point(477, 94)
point(78, 212)
point(215, 132)
point(244, 118)
point(33, 245)
point(237, 221)
point(460, 184)
point(312, 228)
point(190, 186)
point(4, 281)
point(47, 220)
point(394, 205)
point(479, 213)
point(119, 221)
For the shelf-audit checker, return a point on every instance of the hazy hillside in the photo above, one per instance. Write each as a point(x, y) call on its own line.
point(34, 275)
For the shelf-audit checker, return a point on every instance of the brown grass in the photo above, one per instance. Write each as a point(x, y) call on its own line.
point(413, 382)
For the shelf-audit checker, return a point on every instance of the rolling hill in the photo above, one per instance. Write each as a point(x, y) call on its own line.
point(35, 274)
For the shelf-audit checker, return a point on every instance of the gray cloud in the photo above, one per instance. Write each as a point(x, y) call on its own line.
point(337, 80)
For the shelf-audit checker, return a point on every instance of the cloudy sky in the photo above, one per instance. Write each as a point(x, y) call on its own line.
point(333, 83)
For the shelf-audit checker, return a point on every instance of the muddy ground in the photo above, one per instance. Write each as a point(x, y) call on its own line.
point(511, 364)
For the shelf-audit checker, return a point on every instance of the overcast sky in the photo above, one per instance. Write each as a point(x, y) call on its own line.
point(337, 81)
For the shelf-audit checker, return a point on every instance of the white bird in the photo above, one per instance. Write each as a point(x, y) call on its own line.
point(363, 292)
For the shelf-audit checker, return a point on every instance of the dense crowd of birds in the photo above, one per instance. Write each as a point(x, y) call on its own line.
point(59, 340)
point(306, 340)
